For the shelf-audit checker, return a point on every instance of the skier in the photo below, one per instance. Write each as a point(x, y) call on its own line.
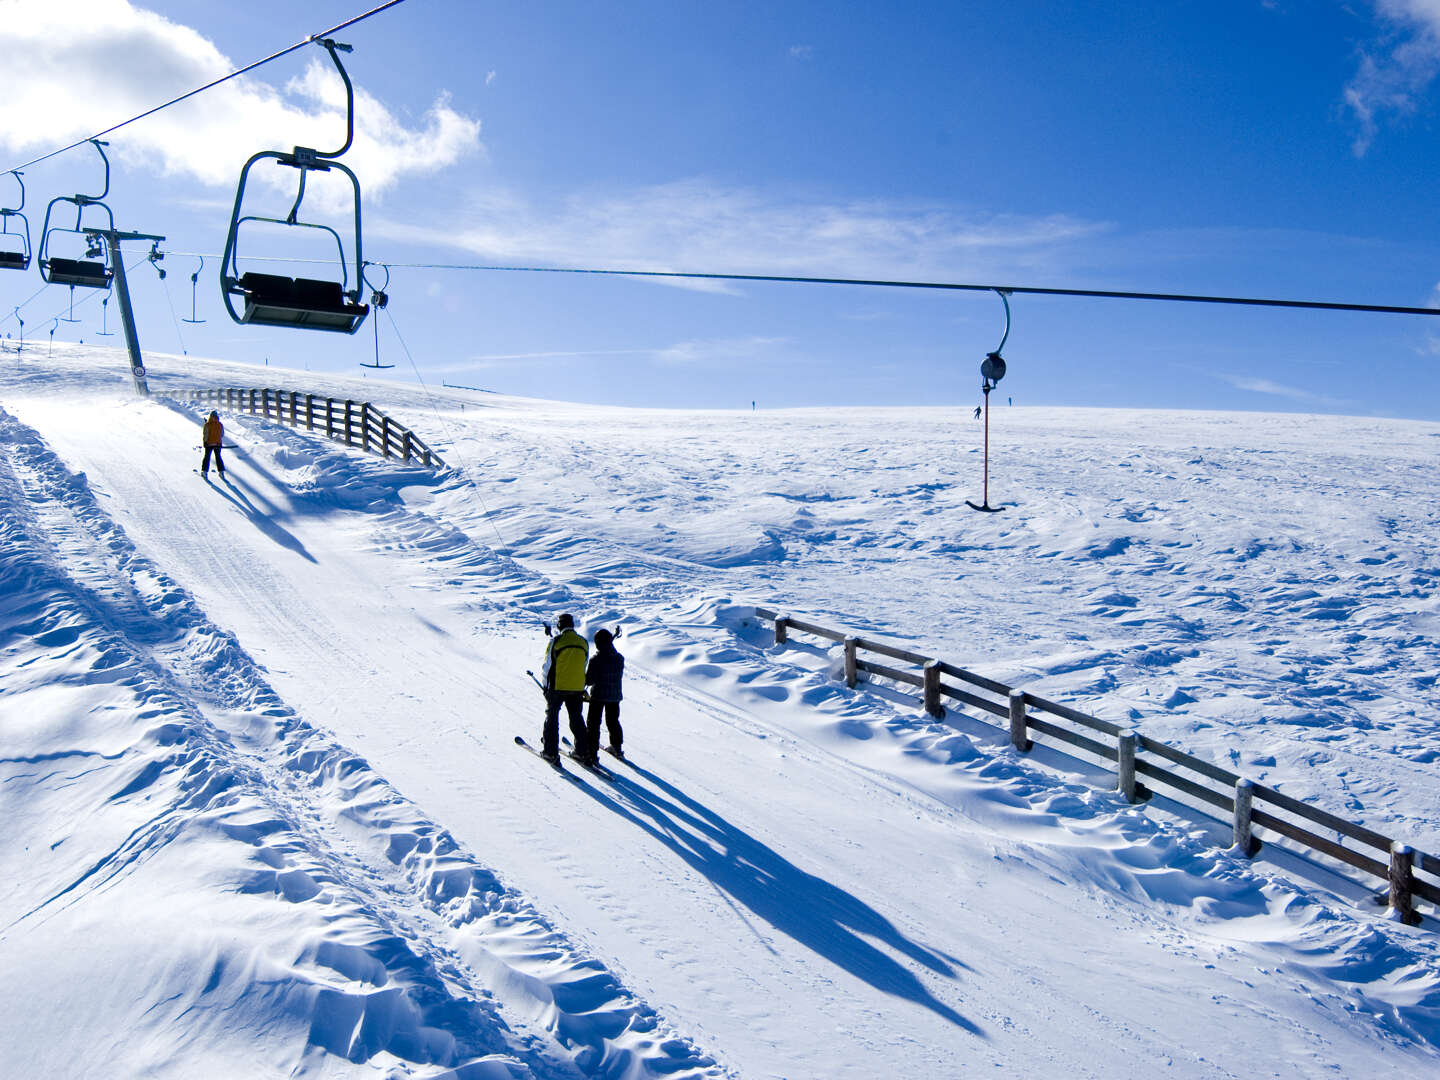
point(564, 683)
point(603, 677)
point(212, 435)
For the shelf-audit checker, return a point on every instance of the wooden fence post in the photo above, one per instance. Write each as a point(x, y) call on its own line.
point(781, 619)
point(309, 412)
point(932, 689)
point(1244, 842)
point(349, 423)
point(407, 447)
point(1126, 760)
point(852, 675)
point(251, 409)
point(1402, 878)
point(330, 418)
point(1018, 737)
point(385, 435)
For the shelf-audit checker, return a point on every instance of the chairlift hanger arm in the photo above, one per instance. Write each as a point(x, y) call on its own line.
point(7, 211)
point(334, 48)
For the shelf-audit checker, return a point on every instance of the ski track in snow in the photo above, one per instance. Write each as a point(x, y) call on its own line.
point(406, 934)
point(420, 954)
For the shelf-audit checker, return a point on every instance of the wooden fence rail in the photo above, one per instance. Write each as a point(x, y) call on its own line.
point(1229, 792)
point(355, 423)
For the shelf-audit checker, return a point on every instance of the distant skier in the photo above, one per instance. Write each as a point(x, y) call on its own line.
point(564, 684)
point(212, 435)
point(603, 676)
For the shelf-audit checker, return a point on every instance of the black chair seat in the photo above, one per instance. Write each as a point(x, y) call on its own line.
point(14, 260)
point(276, 300)
point(82, 272)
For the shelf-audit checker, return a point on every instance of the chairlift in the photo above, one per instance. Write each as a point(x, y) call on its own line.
point(194, 285)
point(93, 271)
point(10, 258)
point(105, 330)
point(378, 299)
point(308, 303)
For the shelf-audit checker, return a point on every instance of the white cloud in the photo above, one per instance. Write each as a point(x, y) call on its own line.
point(81, 66)
point(1397, 69)
point(802, 52)
point(698, 226)
point(1266, 386)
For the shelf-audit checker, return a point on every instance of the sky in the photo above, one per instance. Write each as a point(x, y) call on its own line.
point(1278, 149)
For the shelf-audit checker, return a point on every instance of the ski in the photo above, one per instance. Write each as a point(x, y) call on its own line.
point(619, 755)
point(520, 742)
point(597, 768)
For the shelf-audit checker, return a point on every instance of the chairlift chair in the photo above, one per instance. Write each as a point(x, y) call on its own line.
point(11, 258)
point(93, 271)
point(307, 303)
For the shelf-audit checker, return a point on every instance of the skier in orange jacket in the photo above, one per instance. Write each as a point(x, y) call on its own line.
point(212, 435)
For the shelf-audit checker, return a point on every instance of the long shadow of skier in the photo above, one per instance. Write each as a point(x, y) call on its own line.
point(823, 917)
point(232, 490)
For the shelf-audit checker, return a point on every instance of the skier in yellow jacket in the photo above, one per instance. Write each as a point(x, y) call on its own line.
point(564, 681)
point(212, 435)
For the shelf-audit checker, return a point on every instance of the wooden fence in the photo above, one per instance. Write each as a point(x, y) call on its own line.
point(355, 423)
point(1229, 792)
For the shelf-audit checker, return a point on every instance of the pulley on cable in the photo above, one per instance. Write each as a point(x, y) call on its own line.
point(992, 370)
point(93, 270)
point(15, 246)
point(378, 299)
point(309, 303)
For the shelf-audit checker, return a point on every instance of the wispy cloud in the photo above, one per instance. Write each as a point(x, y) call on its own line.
point(699, 226)
point(1396, 68)
point(802, 52)
point(78, 67)
point(712, 352)
point(1267, 386)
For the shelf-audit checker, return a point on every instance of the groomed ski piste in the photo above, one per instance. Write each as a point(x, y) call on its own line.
point(265, 817)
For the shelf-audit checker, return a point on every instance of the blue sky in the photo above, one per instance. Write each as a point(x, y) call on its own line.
point(1246, 148)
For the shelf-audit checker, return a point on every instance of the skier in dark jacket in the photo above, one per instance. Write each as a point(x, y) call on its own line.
point(603, 676)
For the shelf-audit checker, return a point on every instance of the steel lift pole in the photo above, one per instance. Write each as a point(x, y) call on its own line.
point(112, 240)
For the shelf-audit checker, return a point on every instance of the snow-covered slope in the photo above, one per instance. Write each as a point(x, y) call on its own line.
point(267, 817)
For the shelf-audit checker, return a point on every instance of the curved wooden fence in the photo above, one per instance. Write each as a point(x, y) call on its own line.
point(1023, 713)
point(355, 423)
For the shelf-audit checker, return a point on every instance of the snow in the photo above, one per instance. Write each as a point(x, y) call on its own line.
point(266, 818)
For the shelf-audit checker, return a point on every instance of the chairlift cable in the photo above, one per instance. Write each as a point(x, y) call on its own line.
point(1387, 309)
point(1196, 298)
point(211, 85)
